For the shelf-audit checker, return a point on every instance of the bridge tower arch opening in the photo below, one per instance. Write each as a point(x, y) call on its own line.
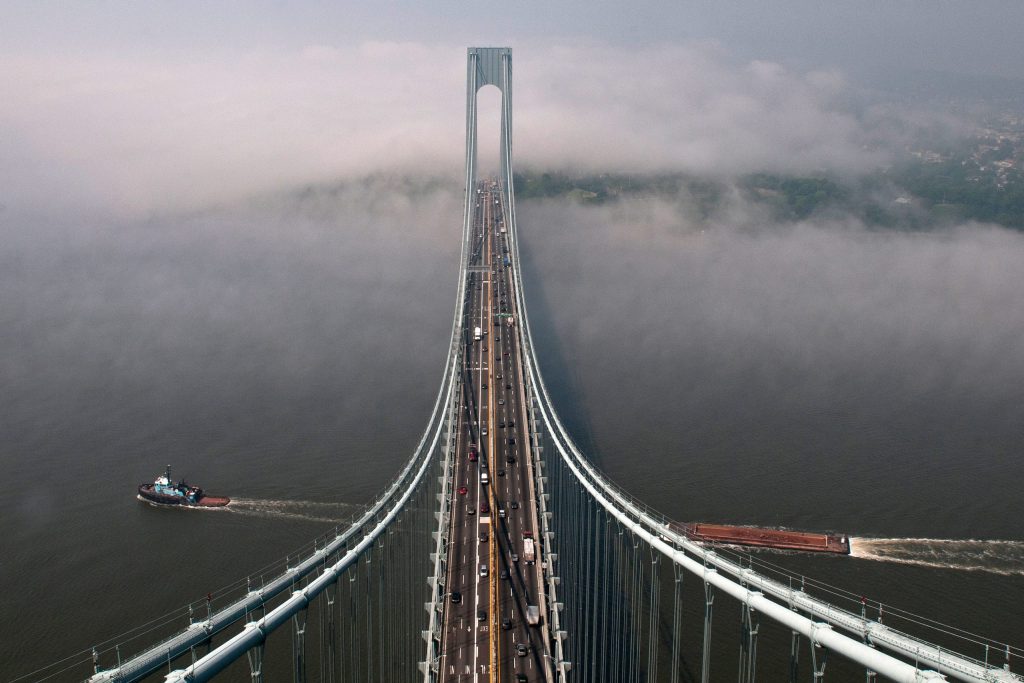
point(488, 131)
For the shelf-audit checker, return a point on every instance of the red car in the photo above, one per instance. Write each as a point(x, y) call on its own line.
point(472, 456)
point(462, 490)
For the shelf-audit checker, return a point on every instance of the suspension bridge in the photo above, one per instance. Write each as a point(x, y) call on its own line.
point(501, 553)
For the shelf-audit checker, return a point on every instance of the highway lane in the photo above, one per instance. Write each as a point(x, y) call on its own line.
point(487, 566)
point(460, 646)
point(524, 579)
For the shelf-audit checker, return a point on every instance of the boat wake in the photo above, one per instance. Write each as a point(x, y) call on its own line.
point(994, 557)
point(305, 510)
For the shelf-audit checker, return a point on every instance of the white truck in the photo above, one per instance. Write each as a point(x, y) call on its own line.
point(528, 552)
point(532, 615)
point(478, 334)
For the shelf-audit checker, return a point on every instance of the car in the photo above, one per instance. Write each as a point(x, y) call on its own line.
point(501, 473)
point(484, 385)
point(501, 401)
point(501, 513)
point(497, 339)
point(470, 510)
point(511, 441)
point(499, 376)
point(501, 425)
point(484, 507)
point(521, 650)
point(483, 430)
point(514, 557)
point(456, 597)
point(510, 458)
point(503, 575)
point(514, 504)
point(483, 570)
point(506, 353)
point(483, 537)
point(506, 623)
point(508, 386)
point(462, 490)
point(521, 678)
point(511, 423)
point(472, 456)
point(481, 615)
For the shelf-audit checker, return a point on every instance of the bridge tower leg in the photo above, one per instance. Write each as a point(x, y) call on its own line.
point(709, 601)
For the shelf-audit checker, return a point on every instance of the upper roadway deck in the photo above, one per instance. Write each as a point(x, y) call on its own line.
point(485, 626)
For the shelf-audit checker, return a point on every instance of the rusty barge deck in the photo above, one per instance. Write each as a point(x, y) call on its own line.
point(781, 539)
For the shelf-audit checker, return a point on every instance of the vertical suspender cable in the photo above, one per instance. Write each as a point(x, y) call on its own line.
point(677, 616)
point(652, 618)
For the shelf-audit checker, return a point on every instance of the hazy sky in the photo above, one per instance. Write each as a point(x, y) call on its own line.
point(978, 37)
point(134, 107)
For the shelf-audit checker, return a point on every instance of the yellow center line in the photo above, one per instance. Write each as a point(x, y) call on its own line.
point(492, 457)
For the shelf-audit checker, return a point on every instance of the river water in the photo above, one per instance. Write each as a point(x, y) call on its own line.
point(288, 353)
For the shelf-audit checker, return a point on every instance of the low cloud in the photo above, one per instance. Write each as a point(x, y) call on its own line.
point(137, 135)
point(824, 303)
point(803, 353)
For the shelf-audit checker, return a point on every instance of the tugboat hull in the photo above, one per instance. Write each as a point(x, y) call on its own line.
point(148, 493)
point(166, 491)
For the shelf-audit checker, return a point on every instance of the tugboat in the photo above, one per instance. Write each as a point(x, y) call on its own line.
point(165, 491)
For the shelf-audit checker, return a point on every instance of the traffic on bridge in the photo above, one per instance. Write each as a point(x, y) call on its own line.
point(495, 600)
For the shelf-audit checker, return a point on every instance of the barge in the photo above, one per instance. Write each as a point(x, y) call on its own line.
point(761, 537)
point(166, 491)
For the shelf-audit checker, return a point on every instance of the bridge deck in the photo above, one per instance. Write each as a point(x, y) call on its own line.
point(493, 513)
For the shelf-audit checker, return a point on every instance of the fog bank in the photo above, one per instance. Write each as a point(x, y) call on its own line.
point(163, 133)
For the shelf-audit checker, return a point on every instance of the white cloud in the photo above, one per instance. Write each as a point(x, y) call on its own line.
point(138, 135)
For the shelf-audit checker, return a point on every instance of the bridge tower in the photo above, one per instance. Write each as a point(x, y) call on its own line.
point(489, 66)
